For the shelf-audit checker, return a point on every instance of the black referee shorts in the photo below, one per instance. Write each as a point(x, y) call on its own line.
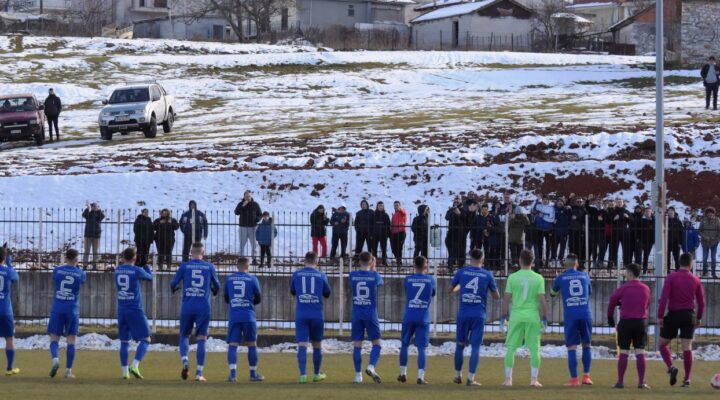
point(682, 321)
point(632, 332)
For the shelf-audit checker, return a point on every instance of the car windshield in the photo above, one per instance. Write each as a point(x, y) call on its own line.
point(130, 96)
point(19, 104)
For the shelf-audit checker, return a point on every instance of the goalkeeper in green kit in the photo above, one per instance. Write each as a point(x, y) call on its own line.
point(525, 299)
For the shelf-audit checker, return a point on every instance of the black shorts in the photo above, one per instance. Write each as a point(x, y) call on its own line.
point(680, 320)
point(632, 332)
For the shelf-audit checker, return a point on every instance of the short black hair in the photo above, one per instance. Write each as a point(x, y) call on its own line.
point(420, 262)
point(129, 254)
point(3, 254)
point(571, 258)
point(71, 254)
point(711, 58)
point(243, 262)
point(311, 258)
point(365, 257)
point(527, 258)
point(476, 254)
point(634, 268)
point(686, 259)
point(197, 247)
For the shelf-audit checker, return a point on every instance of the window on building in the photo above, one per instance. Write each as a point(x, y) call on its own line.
point(284, 17)
point(351, 10)
point(141, 3)
point(161, 3)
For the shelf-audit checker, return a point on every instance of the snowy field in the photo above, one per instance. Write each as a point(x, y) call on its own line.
point(302, 126)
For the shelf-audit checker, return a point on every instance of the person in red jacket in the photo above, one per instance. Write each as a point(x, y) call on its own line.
point(634, 300)
point(397, 232)
point(681, 293)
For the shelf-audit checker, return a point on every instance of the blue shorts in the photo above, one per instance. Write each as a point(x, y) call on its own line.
point(470, 331)
point(64, 324)
point(360, 326)
point(578, 331)
point(132, 324)
point(201, 322)
point(420, 330)
point(309, 330)
point(240, 332)
point(7, 326)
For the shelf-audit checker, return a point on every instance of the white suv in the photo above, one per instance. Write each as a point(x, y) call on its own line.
point(137, 107)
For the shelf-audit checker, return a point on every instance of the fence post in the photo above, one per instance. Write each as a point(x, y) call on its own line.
point(351, 228)
point(40, 237)
point(491, 40)
point(117, 239)
point(441, 40)
point(341, 288)
point(512, 42)
point(192, 224)
point(434, 310)
point(587, 242)
point(272, 239)
point(507, 243)
point(154, 292)
point(467, 40)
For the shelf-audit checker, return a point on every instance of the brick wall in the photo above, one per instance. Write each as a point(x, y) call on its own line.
point(700, 30)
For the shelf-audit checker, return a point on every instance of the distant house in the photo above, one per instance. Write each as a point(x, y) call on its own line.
point(362, 14)
point(603, 13)
point(486, 24)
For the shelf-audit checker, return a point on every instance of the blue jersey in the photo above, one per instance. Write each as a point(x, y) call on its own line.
point(574, 286)
point(419, 291)
point(8, 275)
point(127, 282)
point(475, 283)
point(67, 280)
point(199, 279)
point(242, 293)
point(309, 286)
point(364, 286)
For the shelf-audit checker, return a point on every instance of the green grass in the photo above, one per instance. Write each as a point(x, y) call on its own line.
point(645, 83)
point(98, 378)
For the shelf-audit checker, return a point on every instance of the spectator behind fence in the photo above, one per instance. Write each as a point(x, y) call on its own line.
point(711, 79)
point(458, 227)
point(710, 237)
point(144, 234)
point(497, 236)
point(517, 223)
point(674, 237)
point(165, 228)
point(318, 230)
point(561, 230)
point(646, 234)
point(544, 222)
point(364, 220)
point(479, 227)
point(576, 238)
point(340, 222)
point(93, 216)
point(397, 232)
point(380, 232)
point(249, 213)
point(420, 227)
point(691, 237)
point(619, 234)
point(186, 227)
point(635, 229)
point(265, 234)
point(596, 227)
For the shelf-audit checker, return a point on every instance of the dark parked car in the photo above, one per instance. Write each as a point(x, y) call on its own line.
point(21, 118)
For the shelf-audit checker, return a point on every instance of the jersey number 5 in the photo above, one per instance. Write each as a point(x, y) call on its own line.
point(198, 280)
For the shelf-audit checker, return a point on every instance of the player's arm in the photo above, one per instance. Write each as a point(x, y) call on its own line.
point(543, 307)
point(493, 289)
point(555, 289)
point(145, 273)
point(326, 287)
point(214, 281)
point(257, 298)
point(507, 301)
point(83, 277)
point(292, 285)
point(662, 303)
point(614, 300)
point(455, 284)
point(700, 299)
point(14, 277)
point(226, 292)
point(177, 278)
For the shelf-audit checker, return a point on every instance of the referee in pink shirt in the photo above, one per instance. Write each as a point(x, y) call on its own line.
point(681, 294)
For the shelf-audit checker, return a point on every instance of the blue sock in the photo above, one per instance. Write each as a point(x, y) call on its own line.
point(54, 350)
point(572, 363)
point(10, 353)
point(474, 359)
point(586, 359)
point(403, 356)
point(184, 347)
point(302, 359)
point(459, 349)
point(141, 350)
point(124, 351)
point(375, 355)
point(200, 353)
point(232, 360)
point(357, 358)
point(421, 358)
point(253, 360)
point(70, 355)
point(317, 359)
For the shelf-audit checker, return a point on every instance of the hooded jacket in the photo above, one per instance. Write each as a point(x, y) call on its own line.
point(318, 224)
point(53, 106)
point(420, 225)
point(92, 223)
point(201, 225)
point(249, 214)
point(340, 222)
point(143, 229)
point(364, 219)
point(710, 231)
point(263, 232)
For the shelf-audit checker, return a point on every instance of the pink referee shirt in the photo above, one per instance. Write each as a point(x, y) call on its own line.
point(634, 300)
point(682, 291)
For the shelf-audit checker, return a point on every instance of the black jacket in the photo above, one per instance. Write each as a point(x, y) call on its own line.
point(381, 225)
point(646, 231)
point(704, 73)
point(364, 221)
point(249, 214)
point(318, 224)
point(340, 222)
point(577, 218)
point(92, 223)
point(165, 230)
point(143, 229)
point(458, 225)
point(623, 221)
point(674, 230)
point(53, 106)
point(420, 225)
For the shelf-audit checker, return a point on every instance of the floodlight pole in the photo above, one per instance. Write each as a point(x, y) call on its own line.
point(659, 191)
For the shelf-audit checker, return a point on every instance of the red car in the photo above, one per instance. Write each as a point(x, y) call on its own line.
point(21, 118)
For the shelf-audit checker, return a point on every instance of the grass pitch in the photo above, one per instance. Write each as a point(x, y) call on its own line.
point(98, 377)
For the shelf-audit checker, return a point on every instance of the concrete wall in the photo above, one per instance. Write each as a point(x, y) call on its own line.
point(700, 30)
point(428, 34)
point(33, 299)
point(325, 13)
point(201, 29)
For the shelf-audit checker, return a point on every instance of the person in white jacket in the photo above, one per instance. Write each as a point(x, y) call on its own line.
point(544, 212)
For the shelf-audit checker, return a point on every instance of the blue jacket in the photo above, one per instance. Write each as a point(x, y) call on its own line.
point(262, 232)
point(562, 221)
point(691, 239)
point(201, 225)
point(340, 222)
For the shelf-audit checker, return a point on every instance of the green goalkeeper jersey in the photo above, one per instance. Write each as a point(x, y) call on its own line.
point(525, 286)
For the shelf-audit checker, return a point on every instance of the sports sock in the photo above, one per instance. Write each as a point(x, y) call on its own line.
point(586, 359)
point(124, 353)
point(471, 377)
point(622, 367)
point(534, 372)
point(302, 359)
point(508, 373)
point(125, 370)
point(252, 360)
point(640, 363)
point(54, 352)
point(421, 373)
point(184, 348)
point(459, 356)
point(666, 356)
point(688, 363)
point(10, 353)
point(232, 357)
point(474, 359)
point(200, 355)
point(140, 352)
point(421, 361)
point(572, 363)
point(317, 359)
point(357, 358)
point(403, 359)
point(70, 356)
point(375, 355)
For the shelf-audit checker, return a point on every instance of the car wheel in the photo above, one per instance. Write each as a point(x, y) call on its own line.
point(168, 124)
point(151, 131)
point(105, 134)
point(40, 137)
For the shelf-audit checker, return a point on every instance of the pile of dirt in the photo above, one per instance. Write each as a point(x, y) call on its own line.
point(582, 184)
point(696, 190)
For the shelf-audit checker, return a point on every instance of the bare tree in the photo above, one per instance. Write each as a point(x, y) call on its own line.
point(548, 25)
point(92, 14)
point(235, 12)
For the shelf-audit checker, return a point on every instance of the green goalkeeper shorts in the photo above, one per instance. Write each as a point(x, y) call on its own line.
point(527, 333)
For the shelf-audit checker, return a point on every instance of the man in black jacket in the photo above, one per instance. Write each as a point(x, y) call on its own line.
point(364, 221)
point(711, 79)
point(165, 228)
point(249, 214)
point(144, 235)
point(340, 222)
point(381, 231)
point(576, 240)
point(420, 227)
point(93, 216)
point(674, 241)
point(620, 222)
point(458, 226)
point(53, 107)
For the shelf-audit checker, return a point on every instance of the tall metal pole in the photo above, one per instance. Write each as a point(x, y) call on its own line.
point(659, 188)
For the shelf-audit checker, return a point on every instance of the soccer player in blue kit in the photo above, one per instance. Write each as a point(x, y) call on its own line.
point(132, 322)
point(309, 286)
point(473, 283)
point(419, 291)
point(8, 276)
point(199, 278)
point(242, 293)
point(65, 313)
point(364, 283)
point(574, 287)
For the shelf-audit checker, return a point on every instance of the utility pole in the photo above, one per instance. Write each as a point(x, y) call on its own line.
point(659, 191)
